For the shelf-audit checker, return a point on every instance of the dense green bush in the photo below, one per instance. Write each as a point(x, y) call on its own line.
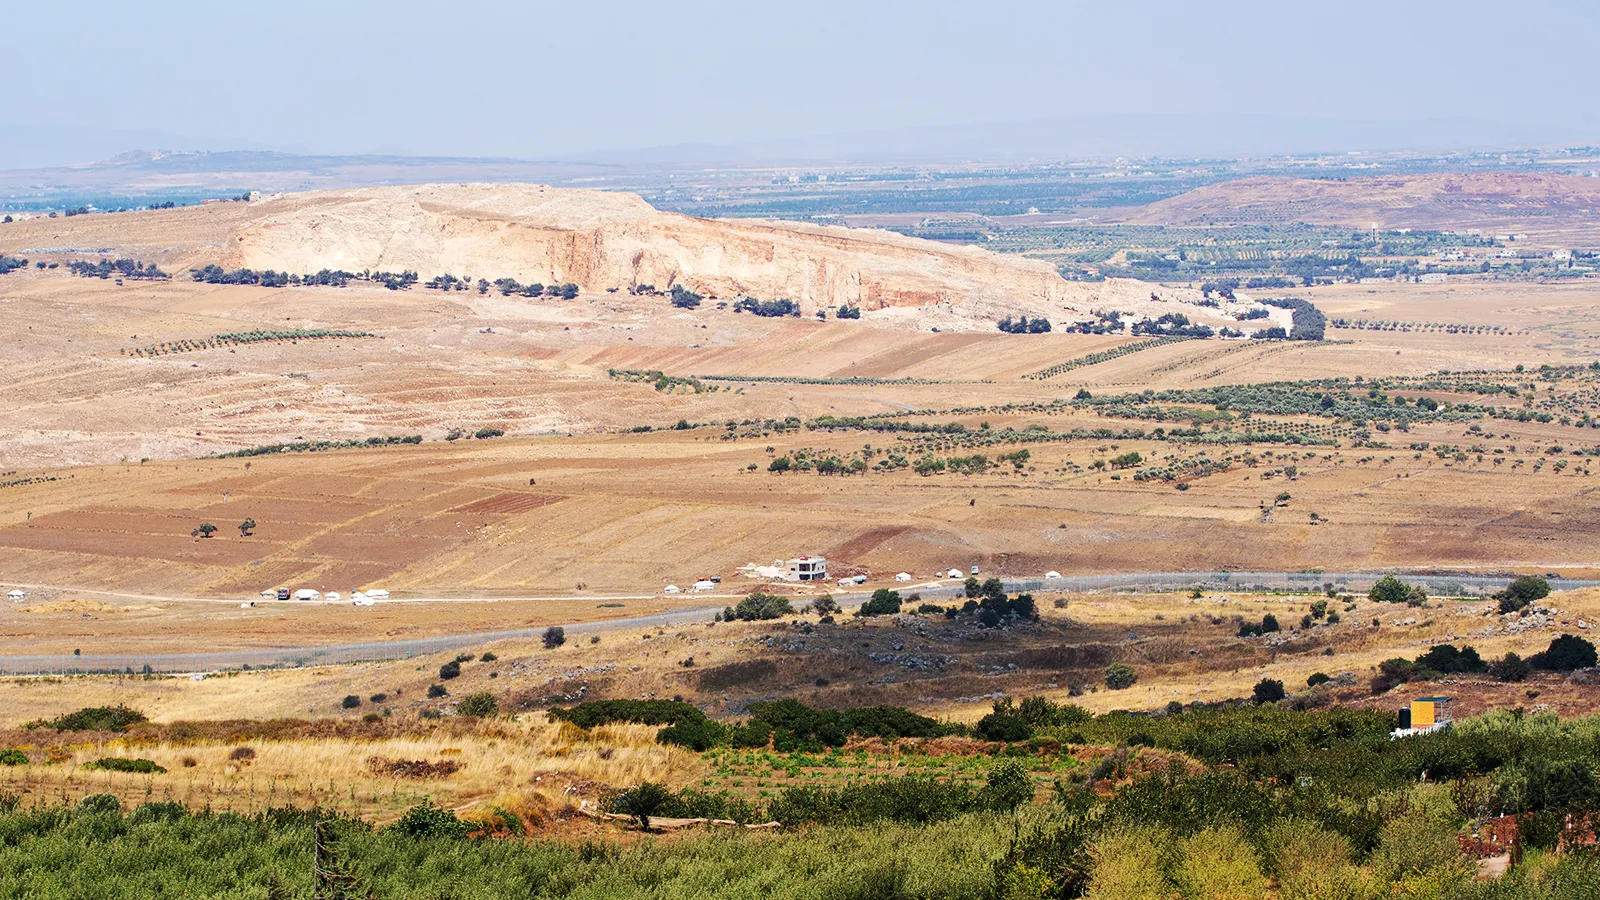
point(428, 821)
point(124, 764)
point(759, 606)
point(100, 803)
point(592, 713)
point(449, 670)
point(95, 718)
point(1565, 653)
point(13, 757)
point(1524, 589)
point(884, 602)
point(1120, 676)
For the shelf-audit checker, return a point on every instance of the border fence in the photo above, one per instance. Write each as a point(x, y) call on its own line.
point(338, 654)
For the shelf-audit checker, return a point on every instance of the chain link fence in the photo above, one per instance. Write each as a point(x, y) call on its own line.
point(294, 657)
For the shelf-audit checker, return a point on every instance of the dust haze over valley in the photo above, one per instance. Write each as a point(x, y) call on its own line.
point(420, 500)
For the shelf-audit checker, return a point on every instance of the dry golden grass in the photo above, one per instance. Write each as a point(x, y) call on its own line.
point(522, 766)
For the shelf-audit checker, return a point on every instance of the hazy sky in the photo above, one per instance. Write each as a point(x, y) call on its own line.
point(535, 79)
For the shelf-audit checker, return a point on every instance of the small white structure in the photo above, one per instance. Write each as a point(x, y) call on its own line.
point(268, 594)
point(356, 597)
point(844, 582)
point(902, 576)
point(953, 573)
point(248, 604)
point(362, 600)
point(807, 568)
point(672, 589)
point(16, 596)
point(703, 585)
point(1052, 574)
point(377, 593)
point(307, 594)
point(332, 596)
point(859, 579)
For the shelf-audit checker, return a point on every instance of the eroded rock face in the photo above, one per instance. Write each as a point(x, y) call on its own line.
point(604, 240)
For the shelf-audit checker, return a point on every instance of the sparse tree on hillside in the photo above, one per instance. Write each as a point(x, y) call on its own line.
point(205, 530)
point(247, 526)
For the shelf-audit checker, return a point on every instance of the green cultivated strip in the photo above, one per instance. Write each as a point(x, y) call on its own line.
point(1100, 356)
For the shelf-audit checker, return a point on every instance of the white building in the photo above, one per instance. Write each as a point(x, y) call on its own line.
point(807, 568)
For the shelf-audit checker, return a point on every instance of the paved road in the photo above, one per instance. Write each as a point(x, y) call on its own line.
point(936, 590)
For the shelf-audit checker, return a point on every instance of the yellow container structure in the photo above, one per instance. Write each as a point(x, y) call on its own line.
point(1427, 712)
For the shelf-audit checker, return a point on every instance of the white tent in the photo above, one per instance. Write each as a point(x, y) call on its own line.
point(377, 593)
point(672, 589)
point(248, 604)
point(363, 601)
point(903, 576)
point(307, 594)
point(268, 594)
point(333, 596)
point(16, 595)
point(703, 585)
point(954, 573)
point(1052, 574)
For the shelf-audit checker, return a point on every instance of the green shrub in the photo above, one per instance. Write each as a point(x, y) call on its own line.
point(124, 764)
point(1120, 676)
point(1390, 589)
point(1565, 653)
point(351, 701)
point(428, 821)
point(1510, 667)
point(1523, 590)
point(1219, 864)
point(481, 704)
point(435, 691)
point(1267, 690)
point(554, 636)
point(592, 713)
point(758, 607)
point(96, 718)
point(1008, 786)
point(642, 801)
point(1128, 865)
point(100, 803)
point(884, 602)
point(449, 670)
point(13, 758)
point(1311, 863)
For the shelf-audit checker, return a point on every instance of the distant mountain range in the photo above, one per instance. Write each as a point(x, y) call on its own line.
point(1130, 135)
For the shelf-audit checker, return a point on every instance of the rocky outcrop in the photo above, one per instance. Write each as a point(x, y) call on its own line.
point(602, 240)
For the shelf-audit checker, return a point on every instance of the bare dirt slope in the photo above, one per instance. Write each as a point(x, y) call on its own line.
point(1515, 202)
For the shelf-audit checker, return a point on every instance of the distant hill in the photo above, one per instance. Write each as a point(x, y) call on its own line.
point(1488, 201)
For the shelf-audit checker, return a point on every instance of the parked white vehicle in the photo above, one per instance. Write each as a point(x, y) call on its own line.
point(16, 596)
